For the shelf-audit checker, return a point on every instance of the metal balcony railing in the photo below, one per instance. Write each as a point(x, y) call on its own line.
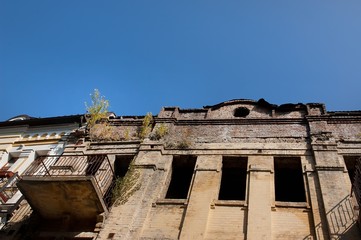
point(8, 188)
point(96, 166)
point(10, 196)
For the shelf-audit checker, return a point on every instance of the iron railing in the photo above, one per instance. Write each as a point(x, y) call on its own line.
point(96, 166)
point(8, 188)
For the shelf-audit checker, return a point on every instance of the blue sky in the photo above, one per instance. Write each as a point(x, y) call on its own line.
point(143, 55)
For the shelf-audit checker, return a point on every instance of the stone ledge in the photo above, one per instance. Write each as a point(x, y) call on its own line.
point(164, 201)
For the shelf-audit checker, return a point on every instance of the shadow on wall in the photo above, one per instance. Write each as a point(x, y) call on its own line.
point(342, 220)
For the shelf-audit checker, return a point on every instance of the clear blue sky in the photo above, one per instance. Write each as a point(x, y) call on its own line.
point(143, 55)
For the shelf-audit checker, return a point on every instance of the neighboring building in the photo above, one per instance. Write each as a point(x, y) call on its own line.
point(22, 140)
point(240, 169)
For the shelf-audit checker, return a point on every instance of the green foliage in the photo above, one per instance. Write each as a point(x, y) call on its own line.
point(126, 186)
point(146, 127)
point(183, 144)
point(126, 134)
point(103, 132)
point(98, 110)
point(160, 132)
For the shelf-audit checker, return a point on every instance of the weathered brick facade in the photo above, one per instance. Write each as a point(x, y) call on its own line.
point(293, 162)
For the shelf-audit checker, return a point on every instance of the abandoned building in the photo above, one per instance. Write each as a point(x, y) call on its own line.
point(240, 169)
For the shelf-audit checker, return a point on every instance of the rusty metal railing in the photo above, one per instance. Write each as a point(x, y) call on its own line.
point(8, 188)
point(97, 166)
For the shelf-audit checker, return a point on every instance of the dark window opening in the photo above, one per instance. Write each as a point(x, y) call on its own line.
point(350, 162)
point(289, 183)
point(182, 172)
point(10, 163)
point(241, 112)
point(234, 177)
point(121, 165)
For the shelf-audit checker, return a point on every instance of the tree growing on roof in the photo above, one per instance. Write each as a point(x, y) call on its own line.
point(97, 110)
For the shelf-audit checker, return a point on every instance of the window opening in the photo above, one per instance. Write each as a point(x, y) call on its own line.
point(10, 163)
point(289, 185)
point(234, 178)
point(121, 165)
point(182, 172)
point(350, 162)
point(241, 112)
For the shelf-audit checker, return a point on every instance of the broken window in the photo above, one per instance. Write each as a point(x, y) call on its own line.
point(234, 178)
point(350, 162)
point(182, 173)
point(289, 183)
point(121, 165)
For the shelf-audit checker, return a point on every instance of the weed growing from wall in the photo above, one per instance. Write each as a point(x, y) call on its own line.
point(125, 187)
point(183, 144)
point(159, 132)
point(126, 134)
point(146, 127)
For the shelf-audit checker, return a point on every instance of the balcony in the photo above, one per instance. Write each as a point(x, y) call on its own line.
point(10, 196)
point(76, 187)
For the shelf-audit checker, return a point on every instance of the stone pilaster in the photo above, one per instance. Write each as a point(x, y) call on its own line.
point(259, 198)
point(203, 191)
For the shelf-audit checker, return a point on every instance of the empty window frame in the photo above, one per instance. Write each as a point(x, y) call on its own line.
point(12, 160)
point(350, 163)
point(121, 165)
point(289, 184)
point(234, 178)
point(182, 173)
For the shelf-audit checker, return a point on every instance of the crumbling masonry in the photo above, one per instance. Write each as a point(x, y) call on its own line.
point(241, 169)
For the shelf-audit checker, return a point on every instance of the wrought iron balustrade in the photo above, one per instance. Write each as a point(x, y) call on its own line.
point(8, 188)
point(96, 166)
